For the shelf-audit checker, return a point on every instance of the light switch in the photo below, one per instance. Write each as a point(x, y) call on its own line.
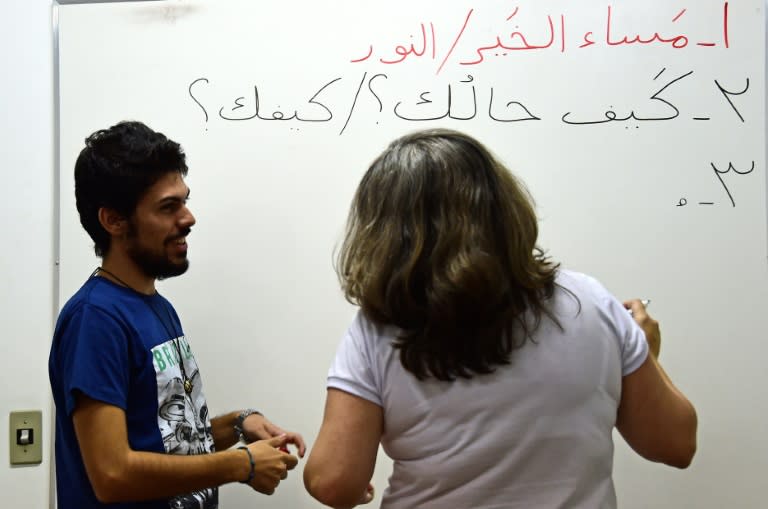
point(26, 436)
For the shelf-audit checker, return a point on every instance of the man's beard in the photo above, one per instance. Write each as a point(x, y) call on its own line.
point(153, 264)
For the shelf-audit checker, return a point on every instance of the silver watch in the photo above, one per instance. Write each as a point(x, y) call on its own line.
point(239, 432)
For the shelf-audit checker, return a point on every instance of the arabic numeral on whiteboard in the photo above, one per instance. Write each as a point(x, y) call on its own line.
point(731, 168)
point(728, 93)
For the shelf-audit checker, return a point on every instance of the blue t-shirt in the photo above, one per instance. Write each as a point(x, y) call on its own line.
point(123, 348)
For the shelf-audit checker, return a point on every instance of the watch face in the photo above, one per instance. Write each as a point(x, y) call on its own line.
point(245, 413)
point(239, 433)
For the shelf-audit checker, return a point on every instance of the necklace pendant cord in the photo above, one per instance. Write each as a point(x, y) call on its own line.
point(188, 385)
point(105, 271)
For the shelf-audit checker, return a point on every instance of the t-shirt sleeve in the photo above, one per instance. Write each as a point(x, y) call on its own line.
point(93, 358)
point(353, 369)
point(630, 338)
point(634, 347)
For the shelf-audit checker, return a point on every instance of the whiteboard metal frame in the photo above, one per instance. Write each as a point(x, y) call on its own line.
point(56, 239)
point(72, 2)
point(56, 304)
point(57, 184)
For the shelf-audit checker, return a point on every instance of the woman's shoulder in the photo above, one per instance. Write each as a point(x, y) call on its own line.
point(578, 282)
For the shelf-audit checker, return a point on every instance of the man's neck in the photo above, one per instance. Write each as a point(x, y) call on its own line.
point(125, 272)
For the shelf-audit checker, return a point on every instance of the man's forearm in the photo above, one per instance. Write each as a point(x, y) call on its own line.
point(153, 476)
point(223, 430)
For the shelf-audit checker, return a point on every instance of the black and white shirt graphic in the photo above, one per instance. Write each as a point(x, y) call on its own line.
point(183, 418)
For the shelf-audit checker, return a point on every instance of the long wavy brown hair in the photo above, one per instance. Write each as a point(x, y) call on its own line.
point(441, 243)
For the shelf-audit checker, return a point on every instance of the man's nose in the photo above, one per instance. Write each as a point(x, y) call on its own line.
point(187, 219)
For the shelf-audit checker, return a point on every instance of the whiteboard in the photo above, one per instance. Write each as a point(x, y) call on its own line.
point(639, 127)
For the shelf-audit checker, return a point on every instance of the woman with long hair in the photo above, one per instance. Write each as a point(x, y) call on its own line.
point(492, 377)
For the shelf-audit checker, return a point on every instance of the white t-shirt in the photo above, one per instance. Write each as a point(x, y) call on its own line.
point(537, 433)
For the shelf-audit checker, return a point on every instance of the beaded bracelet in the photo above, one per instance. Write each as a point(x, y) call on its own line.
point(252, 474)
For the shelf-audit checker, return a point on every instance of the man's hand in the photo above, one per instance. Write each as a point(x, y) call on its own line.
point(258, 427)
point(368, 495)
point(271, 464)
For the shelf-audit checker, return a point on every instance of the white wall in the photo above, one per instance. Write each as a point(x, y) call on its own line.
point(26, 229)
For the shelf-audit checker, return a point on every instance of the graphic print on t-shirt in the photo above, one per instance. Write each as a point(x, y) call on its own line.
point(182, 418)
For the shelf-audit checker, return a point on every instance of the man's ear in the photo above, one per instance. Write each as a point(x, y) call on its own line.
point(114, 223)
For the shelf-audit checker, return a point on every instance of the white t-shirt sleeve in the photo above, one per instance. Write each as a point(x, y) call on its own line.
point(632, 345)
point(631, 338)
point(352, 369)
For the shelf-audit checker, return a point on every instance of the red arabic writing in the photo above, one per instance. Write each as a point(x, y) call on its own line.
point(426, 43)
